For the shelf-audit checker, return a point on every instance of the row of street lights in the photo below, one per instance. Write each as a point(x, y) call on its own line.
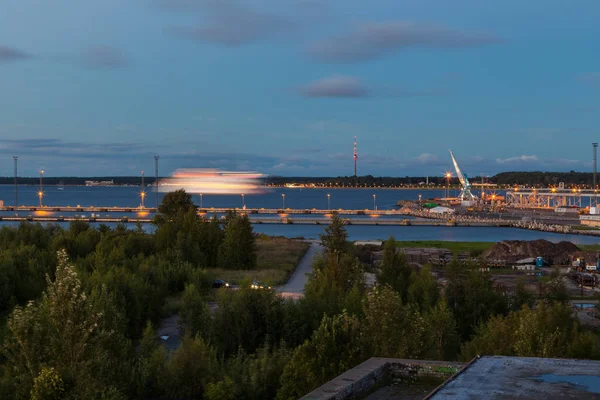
point(283, 201)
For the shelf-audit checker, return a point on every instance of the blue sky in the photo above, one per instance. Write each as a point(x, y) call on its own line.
point(281, 87)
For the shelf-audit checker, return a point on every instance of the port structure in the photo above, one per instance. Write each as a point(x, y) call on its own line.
point(549, 198)
point(465, 190)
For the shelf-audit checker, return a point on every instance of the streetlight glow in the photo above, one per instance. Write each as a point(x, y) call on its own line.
point(41, 192)
point(283, 201)
point(328, 201)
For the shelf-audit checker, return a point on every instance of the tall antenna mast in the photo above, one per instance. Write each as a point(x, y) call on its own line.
point(355, 156)
point(595, 165)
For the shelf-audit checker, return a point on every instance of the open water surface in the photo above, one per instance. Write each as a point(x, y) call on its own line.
point(298, 198)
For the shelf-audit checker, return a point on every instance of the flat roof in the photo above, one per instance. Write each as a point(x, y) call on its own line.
point(497, 377)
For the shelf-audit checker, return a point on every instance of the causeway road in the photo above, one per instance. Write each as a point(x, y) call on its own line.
point(294, 287)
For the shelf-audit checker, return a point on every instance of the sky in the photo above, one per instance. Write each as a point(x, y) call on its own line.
point(281, 87)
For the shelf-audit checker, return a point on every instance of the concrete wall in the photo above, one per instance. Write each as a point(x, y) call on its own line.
point(362, 377)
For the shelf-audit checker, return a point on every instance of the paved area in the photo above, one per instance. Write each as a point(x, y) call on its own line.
point(295, 286)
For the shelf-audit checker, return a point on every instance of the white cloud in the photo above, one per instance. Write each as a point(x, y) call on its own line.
point(523, 158)
point(427, 158)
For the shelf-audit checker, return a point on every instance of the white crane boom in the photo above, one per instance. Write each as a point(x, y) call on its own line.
point(461, 178)
point(465, 193)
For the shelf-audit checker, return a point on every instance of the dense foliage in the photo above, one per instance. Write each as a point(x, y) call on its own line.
point(79, 308)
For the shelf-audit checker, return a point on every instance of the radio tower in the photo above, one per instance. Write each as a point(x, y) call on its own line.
point(355, 156)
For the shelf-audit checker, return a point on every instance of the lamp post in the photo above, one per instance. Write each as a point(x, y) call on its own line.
point(243, 203)
point(374, 203)
point(142, 192)
point(41, 192)
point(201, 206)
point(448, 175)
point(283, 201)
point(328, 201)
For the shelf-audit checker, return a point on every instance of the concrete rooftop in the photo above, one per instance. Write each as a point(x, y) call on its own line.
point(497, 377)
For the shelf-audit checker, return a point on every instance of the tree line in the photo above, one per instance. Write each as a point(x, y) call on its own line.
point(81, 307)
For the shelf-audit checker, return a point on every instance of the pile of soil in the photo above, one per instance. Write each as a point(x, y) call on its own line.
point(511, 251)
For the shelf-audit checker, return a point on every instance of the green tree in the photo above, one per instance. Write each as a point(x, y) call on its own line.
point(443, 343)
point(549, 330)
point(335, 347)
point(394, 270)
point(76, 335)
point(393, 330)
point(191, 368)
point(256, 376)
point(151, 372)
point(423, 291)
point(225, 389)
point(472, 297)
point(336, 283)
point(174, 206)
point(48, 385)
point(247, 319)
point(195, 315)
point(238, 249)
point(335, 238)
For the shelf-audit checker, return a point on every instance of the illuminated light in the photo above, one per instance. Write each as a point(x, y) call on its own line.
point(283, 215)
point(142, 213)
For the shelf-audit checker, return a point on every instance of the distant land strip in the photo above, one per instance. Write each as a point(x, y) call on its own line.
point(535, 178)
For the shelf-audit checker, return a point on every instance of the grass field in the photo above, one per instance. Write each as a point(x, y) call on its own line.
point(589, 247)
point(475, 248)
point(276, 260)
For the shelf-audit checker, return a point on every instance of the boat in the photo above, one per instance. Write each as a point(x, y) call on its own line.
point(61, 185)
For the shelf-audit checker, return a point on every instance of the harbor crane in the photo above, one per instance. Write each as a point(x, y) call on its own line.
point(465, 191)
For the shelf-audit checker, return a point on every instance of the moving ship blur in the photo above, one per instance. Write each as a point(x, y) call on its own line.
point(212, 181)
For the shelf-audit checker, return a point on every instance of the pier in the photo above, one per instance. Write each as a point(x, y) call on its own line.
point(212, 210)
point(268, 220)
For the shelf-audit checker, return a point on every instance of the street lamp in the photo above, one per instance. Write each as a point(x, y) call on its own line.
point(243, 203)
point(41, 192)
point(201, 201)
point(283, 201)
point(328, 201)
point(374, 203)
point(143, 192)
point(448, 176)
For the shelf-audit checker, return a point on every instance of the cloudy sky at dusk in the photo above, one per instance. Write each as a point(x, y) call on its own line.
point(281, 86)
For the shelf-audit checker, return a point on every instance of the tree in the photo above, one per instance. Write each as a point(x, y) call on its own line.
point(549, 330)
point(441, 330)
point(335, 347)
point(335, 238)
point(195, 315)
point(393, 329)
point(191, 368)
point(247, 319)
point(423, 291)
point(174, 206)
point(472, 297)
point(336, 284)
point(66, 336)
point(238, 249)
point(394, 270)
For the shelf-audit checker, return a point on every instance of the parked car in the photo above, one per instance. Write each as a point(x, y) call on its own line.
point(220, 283)
point(259, 285)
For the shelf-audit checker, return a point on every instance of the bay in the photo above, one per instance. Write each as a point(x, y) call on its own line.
point(296, 198)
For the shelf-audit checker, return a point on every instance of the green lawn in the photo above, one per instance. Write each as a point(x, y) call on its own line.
point(277, 259)
point(475, 248)
point(589, 247)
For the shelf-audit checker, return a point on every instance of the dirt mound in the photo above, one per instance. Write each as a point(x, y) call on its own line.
point(513, 250)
